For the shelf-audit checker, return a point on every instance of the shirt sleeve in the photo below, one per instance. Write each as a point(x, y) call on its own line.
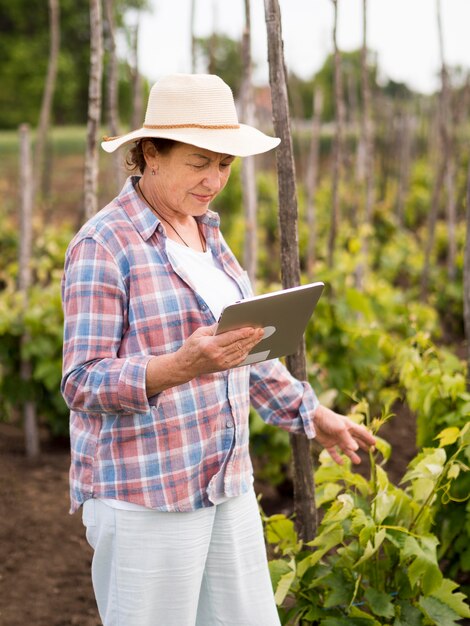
point(281, 399)
point(95, 302)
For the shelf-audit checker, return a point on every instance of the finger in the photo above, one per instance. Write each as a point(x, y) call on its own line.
point(364, 439)
point(353, 456)
point(240, 349)
point(361, 432)
point(241, 335)
point(348, 442)
point(335, 455)
point(365, 446)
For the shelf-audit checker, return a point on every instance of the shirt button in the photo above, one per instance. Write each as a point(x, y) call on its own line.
point(229, 424)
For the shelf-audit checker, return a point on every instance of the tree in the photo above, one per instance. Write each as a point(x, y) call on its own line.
point(24, 50)
point(221, 55)
point(325, 78)
point(304, 489)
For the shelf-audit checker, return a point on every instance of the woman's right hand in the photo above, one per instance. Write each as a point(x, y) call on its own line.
point(202, 353)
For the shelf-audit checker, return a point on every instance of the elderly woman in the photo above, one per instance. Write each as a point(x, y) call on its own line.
point(159, 408)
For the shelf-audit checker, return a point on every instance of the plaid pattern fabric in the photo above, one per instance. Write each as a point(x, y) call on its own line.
point(124, 303)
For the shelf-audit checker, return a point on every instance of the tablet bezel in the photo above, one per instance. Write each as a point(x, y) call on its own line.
point(258, 310)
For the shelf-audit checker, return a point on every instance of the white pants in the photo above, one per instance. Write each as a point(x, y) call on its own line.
point(203, 568)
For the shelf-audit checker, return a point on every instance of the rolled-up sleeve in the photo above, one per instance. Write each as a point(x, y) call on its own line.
point(95, 378)
point(281, 399)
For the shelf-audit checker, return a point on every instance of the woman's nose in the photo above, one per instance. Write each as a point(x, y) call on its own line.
point(213, 179)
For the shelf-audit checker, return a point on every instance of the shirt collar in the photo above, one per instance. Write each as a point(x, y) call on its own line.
point(144, 220)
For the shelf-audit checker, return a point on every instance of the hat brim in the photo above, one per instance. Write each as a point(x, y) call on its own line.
point(242, 141)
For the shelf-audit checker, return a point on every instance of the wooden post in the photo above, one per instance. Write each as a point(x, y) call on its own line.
point(338, 143)
point(443, 160)
point(31, 432)
point(112, 88)
point(304, 489)
point(466, 281)
point(367, 180)
point(94, 109)
point(136, 79)
point(312, 178)
point(193, 36)
point(46, 106)
point(248, 163)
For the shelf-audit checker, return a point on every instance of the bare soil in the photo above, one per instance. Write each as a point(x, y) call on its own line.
point(44, 557)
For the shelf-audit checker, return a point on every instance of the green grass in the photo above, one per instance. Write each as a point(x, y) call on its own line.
point(65, 140)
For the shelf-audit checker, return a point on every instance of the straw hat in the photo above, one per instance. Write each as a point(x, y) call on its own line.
point(197, 109)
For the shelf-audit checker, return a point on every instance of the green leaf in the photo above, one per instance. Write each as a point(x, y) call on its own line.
point(341, 590)
point(326, 493)
point(277, 569)
point(379, 602)
point(383, 504)
point(465, 434)
point(282, 576)
point(356, 613)
point(407, 614)
point(456, 601)
point(359, 302)
point(448, 436)
point(340, 509)
point(281, 531)
point(427, 465)
point(283, 587)
point(454, 471)
point(313, 614)
point(382, 479)
point(438, 612)
point(424, 567)
point(348, 621)
point(372, 546)
point(329, 538)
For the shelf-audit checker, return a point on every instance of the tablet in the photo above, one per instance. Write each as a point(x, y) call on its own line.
point(283, 315)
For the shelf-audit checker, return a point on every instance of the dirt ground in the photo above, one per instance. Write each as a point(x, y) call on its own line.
point(44, 557)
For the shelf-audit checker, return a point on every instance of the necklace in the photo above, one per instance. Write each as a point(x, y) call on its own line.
point(201, 238)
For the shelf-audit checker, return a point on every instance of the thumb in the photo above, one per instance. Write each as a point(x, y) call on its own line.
point(206, 331)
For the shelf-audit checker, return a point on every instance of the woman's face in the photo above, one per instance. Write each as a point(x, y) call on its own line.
point(188, 178)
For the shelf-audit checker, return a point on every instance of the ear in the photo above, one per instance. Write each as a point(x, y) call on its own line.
point(149, 151)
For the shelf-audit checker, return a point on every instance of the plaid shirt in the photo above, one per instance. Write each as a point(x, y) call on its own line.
point(125, 303)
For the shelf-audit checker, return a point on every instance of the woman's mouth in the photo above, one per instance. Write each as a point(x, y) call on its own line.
point(202, 197)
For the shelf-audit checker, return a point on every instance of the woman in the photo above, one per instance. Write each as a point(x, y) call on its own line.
point(159, 410)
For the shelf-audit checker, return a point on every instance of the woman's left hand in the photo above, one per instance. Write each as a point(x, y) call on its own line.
point(337, 433)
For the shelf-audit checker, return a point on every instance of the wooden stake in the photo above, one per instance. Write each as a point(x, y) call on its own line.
point(304, 489)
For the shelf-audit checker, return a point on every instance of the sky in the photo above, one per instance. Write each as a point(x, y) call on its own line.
point(403, 33)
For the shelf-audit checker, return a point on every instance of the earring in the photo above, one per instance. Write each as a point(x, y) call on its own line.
point(153, 171)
